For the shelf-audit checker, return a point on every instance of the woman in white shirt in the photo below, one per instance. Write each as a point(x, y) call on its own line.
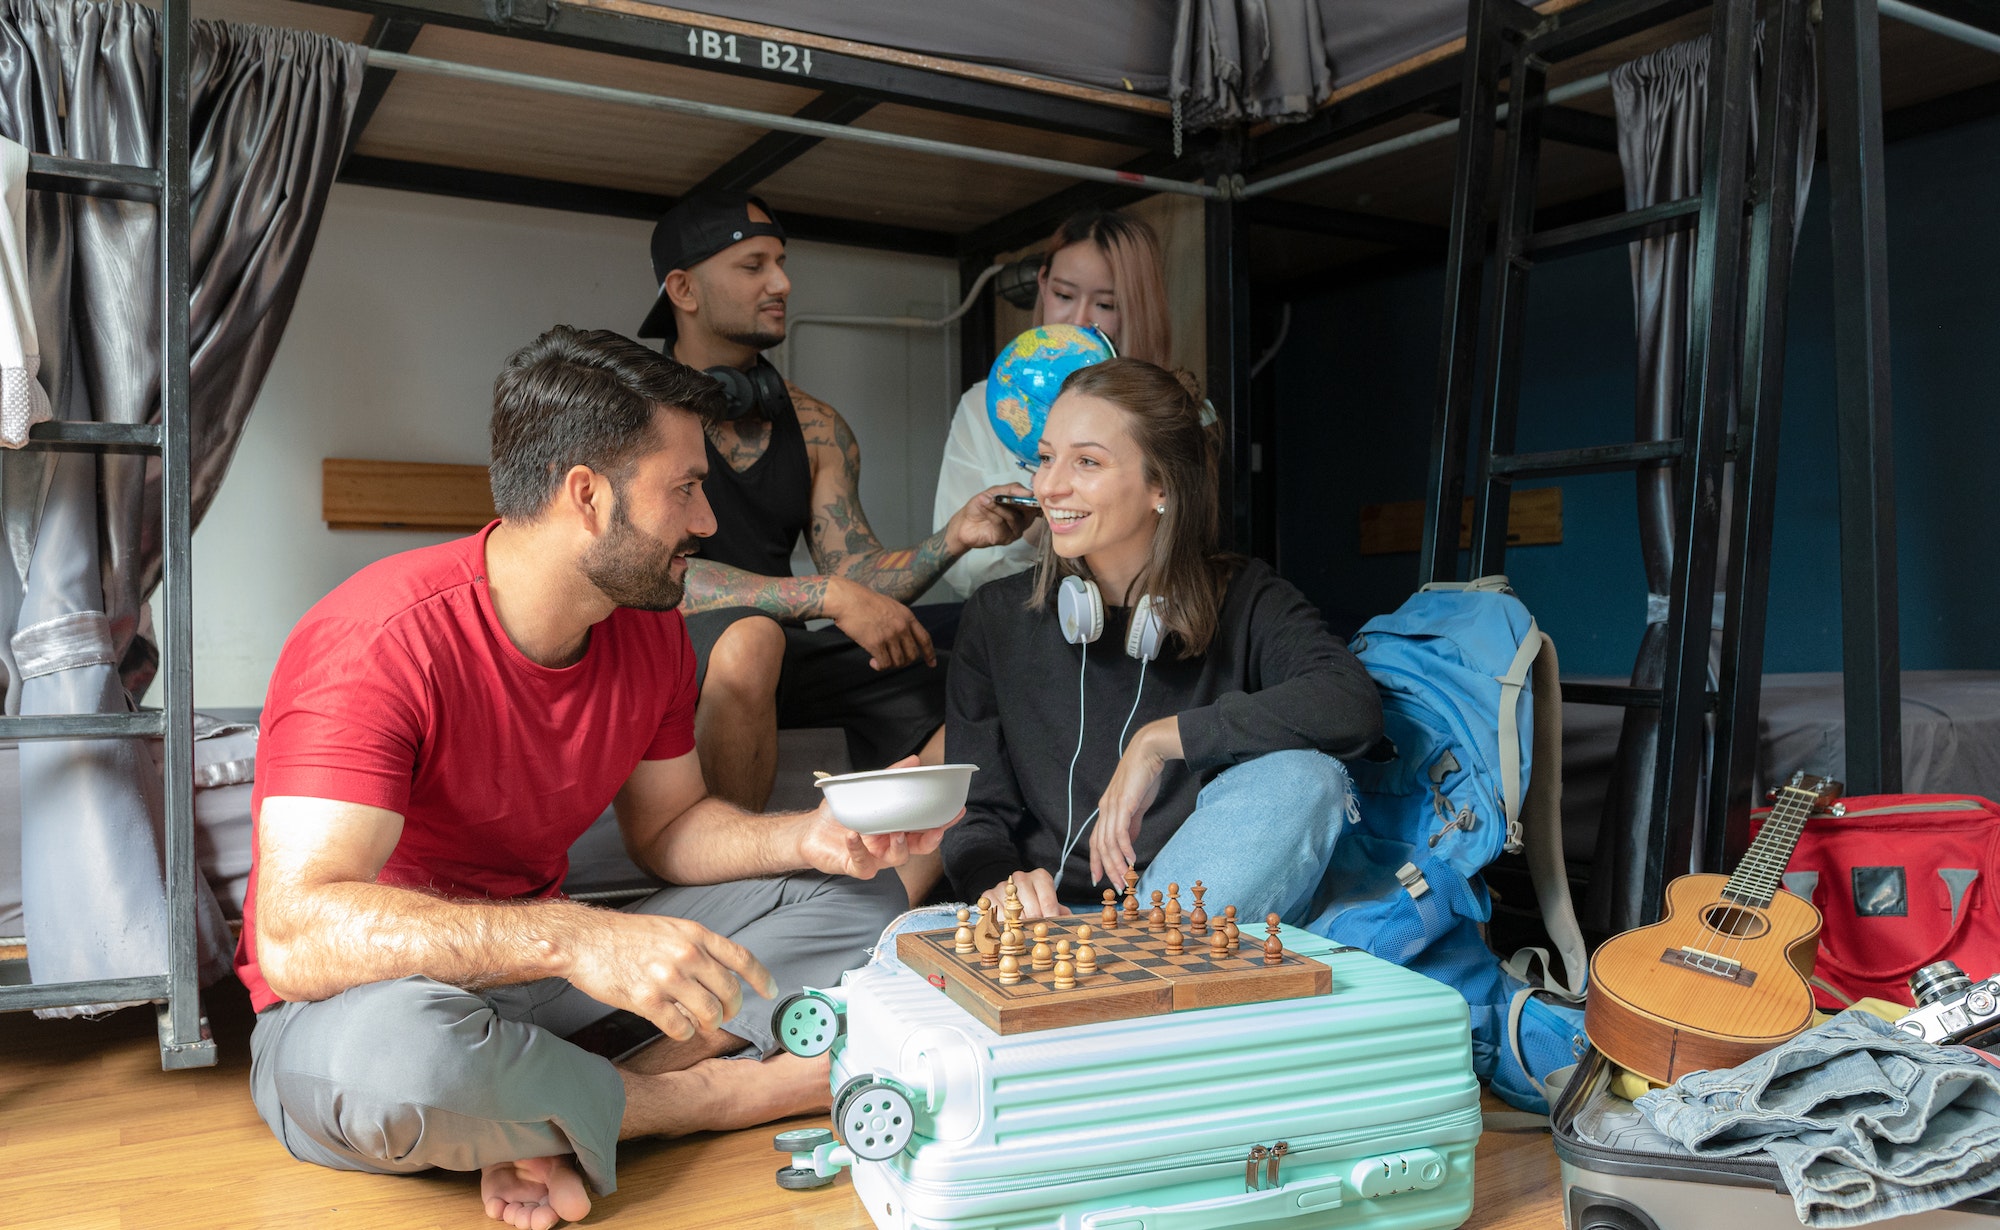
point(1101, 268)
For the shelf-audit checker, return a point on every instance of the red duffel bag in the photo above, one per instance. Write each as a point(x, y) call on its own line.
point(1900, 880)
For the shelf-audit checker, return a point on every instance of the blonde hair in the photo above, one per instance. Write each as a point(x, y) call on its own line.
point(1138, 278)
point(1185, 572)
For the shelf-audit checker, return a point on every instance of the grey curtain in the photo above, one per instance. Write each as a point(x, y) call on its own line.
point(270, 112)
point(1662, 103)
point(1237, 60)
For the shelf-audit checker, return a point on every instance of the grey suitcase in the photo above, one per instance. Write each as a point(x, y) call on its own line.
point(1610, 1188)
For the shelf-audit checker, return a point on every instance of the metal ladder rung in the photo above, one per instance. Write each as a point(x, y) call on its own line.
point(1614, 229)
point(1617, 697)
point(19, 995)
point(84, 725)
point(1592, 460)
point(108, 179)
point(76, 437)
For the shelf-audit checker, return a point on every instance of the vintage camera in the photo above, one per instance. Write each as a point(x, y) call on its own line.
point(1950, 1006)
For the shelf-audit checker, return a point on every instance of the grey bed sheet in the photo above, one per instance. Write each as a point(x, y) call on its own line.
point(222, 818)
point(1951, 741)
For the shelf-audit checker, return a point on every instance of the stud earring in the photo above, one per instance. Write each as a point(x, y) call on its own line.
point(1160, 509)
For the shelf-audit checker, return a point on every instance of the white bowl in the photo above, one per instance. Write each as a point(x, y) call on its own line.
point(898, 800)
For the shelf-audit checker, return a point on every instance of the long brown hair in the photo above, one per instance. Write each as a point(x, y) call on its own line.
point(1184, 573)
point(1138, 278)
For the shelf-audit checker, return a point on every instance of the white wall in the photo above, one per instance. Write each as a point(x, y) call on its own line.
point(410, 306)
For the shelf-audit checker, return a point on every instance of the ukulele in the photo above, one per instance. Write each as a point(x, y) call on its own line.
point(1721, 978)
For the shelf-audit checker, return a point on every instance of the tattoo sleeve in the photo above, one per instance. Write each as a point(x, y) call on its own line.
point(840, 538)
point(712, 586)
point(903, 574)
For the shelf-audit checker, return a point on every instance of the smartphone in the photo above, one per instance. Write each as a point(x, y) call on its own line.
point(1018, 501)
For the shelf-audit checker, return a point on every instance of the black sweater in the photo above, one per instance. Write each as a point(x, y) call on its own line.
point(1272, 679)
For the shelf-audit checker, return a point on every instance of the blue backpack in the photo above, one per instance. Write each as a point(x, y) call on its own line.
point(1457, 666)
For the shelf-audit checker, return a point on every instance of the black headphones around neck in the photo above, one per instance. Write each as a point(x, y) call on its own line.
point(760, 390)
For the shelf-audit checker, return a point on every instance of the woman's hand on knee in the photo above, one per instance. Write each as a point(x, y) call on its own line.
point(1037, 890)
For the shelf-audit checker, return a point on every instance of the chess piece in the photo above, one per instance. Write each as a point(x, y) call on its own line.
point(1011, 942)
point(1110, 908)
point(1131, 911)
point(1156, 918)
point(1229, 927)
point(1175, 944)
point(986, 936)
point(1173, 905)
point(1218, 944)
point(1086, 956)
point(1040, 958)
point(1013, 906)
point(1065, 969)
point(1198, 921)
point(1010, 969)
point(961, 941)
point(1274, 948)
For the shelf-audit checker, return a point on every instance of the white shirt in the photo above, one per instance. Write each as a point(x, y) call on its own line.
point(975, 459)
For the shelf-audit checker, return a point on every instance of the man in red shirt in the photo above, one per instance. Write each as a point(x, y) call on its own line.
point(438, 731)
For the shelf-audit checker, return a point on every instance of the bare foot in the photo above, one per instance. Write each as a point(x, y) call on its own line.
point(720, 1095)
point(534, 1193)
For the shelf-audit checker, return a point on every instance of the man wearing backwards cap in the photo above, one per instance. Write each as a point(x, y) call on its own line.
point(787, 464)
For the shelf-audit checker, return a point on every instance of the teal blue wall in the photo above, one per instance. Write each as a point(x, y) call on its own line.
point(1356, 382)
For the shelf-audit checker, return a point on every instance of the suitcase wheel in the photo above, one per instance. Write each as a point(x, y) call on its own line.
point(798, 1179)
point(806, 1025)
point(874, 1118)
point(801, 1140)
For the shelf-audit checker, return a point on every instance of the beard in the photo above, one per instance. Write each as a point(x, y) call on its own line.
point(635, 569)
point(756, 339)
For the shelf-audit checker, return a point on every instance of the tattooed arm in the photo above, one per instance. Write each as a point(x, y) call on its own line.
point(712, 586)
point(840, 539)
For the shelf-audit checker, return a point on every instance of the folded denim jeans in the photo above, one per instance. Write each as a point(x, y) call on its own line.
point(1864, 1123)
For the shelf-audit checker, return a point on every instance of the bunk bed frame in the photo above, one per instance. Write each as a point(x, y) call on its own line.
point(1232, 171)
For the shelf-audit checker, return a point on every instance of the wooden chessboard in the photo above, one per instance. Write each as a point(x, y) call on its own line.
point(1135, 977)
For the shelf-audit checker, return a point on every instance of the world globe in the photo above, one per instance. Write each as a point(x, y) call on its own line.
point(1029, 373)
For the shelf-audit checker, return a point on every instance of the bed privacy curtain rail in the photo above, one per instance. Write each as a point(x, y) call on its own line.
point(270, 111)
point(1661, 100)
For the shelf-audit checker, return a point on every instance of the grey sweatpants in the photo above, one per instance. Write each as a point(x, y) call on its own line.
point(401, 1076)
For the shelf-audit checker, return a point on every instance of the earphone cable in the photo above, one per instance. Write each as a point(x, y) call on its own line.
point(1069, 792)
point(1069, 843)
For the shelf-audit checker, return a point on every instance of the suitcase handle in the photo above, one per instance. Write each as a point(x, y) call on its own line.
point(1304, 1196)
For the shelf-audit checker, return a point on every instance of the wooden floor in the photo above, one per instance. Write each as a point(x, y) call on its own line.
point(94, 1135)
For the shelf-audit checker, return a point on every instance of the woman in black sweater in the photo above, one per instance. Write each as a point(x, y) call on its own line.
point(1212, 760)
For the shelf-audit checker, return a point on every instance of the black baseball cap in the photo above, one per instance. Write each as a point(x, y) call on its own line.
point(694, 230)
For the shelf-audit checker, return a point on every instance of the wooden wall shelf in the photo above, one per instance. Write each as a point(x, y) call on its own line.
point(1534, 518)
point(403, 495)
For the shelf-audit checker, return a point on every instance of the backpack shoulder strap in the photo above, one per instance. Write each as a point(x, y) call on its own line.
point(1542, 821)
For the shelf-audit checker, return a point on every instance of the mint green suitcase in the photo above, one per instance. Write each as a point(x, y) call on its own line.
point(1157, 1123)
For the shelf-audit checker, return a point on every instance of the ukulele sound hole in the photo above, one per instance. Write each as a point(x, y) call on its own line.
point(1735, 922)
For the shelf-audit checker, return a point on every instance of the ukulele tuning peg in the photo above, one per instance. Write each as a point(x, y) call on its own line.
point(1771, 795)
point(1798, 775)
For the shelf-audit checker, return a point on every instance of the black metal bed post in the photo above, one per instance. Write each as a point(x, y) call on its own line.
point(1527, 94)
point(184, 1040)
point(1709, 395)
point(1226, 231)
point(1871, 656)
point(1451, 424)
point(1773, 224)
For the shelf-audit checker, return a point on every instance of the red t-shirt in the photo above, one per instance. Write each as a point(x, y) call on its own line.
point(400, 690)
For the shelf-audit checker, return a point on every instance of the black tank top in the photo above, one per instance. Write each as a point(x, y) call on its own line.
point(760, 513)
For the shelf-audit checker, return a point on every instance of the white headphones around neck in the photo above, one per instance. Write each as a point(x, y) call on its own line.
point(1080, 609)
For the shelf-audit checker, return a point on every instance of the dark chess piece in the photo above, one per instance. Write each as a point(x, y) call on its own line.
point(1110, 908)
point(1156, 918)
point(1198, 921)
point(1274, 948)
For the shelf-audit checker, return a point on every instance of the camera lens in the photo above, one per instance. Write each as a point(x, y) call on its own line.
point(1937, 981)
